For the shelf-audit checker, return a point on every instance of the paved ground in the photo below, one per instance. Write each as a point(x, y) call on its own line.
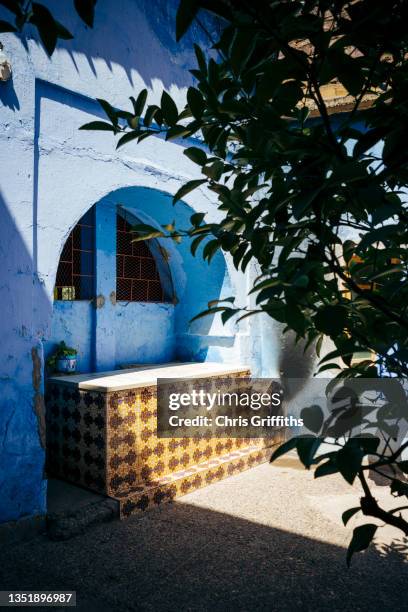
point(63, 496)
point(267, 539)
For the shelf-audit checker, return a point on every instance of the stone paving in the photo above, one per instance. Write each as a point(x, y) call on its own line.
point(270, 538)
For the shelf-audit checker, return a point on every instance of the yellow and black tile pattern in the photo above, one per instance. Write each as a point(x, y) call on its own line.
point(180, 483)
point(108, 442)
point(76, 436)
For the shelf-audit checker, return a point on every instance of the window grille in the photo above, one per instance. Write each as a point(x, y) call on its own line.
point(76, 270)
point(137, 278)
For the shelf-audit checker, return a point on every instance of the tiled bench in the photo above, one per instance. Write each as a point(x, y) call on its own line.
point(101, 434)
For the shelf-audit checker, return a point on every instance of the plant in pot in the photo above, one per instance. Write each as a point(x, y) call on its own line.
point(63, 359)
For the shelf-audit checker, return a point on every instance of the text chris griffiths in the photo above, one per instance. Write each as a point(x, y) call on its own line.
point(226, 421)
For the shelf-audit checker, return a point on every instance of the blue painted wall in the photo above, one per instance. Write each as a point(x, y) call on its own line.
point(22, 486)
point(144, 333)
point(52, 173)
point(73, 323)
point(109, 333)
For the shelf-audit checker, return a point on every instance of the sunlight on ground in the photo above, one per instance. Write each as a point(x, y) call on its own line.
point(285, 496)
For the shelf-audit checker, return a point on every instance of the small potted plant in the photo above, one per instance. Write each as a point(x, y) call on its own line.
point(63, 359)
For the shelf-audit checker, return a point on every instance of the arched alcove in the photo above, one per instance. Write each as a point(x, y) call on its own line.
point(131, 317)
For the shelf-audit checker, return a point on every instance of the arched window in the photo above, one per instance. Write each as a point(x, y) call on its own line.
point(137, 275)
point(76, 270)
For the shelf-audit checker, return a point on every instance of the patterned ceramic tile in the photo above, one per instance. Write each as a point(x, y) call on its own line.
point(108, 442)
point(185, 481)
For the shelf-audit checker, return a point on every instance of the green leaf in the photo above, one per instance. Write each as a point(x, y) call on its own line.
point(210, 249)
point(228, 314)
point(215, 170)
point(186, 13)
point(348, 250)
point(148, 236)
point(275, 73)
point(265, 284)
point(86, 11)
point(185, 189)
point(177, 131)
point(139, 103)
point(197, 218)
point(145, 232)
point(301, 281)
point(379, 235)
point(385, 273)
point(196, 243)
point(331, 320)
point(98, 125)
point(150, 113)
point(200, 59)
point(394, 150)
point(348, 71)
point(287, 96)
point(212, 303)
point(346, 350)
point(242, 47)
point(348, 171)
point(169, 109)
point(295, 318)
point(319, 344)
point(303, 202)
point(109, 111)
point(367, 140)
point(196, 155)
point(362, 538)
point(329, 366)
point(195, 102)
point(128, 137)
point(145, 134)
point(208, 312)
point(348, 514)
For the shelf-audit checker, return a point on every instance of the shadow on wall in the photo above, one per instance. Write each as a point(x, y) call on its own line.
point(186, 557)
point(25, 312)
point(8, 96)
point(149, 26)
point(296, 363)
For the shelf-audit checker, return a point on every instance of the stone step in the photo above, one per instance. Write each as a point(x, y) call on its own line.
point(66, 525)
point(180, 483)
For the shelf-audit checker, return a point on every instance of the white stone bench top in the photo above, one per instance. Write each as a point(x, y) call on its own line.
point(145, 375)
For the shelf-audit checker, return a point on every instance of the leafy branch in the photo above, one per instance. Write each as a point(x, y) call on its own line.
point(317, 200)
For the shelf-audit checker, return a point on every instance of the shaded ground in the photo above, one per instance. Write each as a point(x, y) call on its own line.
point(256, 541)
point(61, 496)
